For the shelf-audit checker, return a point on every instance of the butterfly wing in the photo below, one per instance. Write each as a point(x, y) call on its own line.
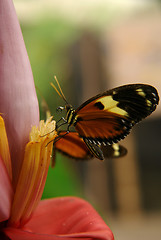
point(73, 146)
point(111, 151)
point(114, 151)
point(94, 149)
point(107, 118)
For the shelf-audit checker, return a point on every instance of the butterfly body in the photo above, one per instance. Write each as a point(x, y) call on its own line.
point(71, 116)
point(108, 117)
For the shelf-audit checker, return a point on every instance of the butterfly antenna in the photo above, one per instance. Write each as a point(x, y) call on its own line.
point(60, 93)
point(59, 87)
point(56, 89)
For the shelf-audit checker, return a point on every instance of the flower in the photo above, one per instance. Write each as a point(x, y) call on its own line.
point(25, 150)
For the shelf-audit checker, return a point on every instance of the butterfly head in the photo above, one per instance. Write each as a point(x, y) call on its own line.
point(60, 109)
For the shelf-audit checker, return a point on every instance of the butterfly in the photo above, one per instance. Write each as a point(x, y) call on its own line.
point(74, 147)
point(108, 117)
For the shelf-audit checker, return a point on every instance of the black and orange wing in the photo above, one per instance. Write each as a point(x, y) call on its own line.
point(114, 151)
point(73, 146)
point(108, 117)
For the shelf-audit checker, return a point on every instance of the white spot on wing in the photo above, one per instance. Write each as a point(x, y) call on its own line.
point(111, 105)
point(148, 103)
point(141, 92)
point(116, 150)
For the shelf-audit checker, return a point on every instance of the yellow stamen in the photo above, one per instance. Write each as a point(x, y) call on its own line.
point(33, 173)
point(4, 148)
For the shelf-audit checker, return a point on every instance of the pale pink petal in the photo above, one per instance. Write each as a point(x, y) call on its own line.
point(18, 101)
point(6, 193)
point(66, 218)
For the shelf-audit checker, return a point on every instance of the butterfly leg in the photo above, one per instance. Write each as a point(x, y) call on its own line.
point(62, 118)
point(68, 128)
point(64, 122)
point(59, 137)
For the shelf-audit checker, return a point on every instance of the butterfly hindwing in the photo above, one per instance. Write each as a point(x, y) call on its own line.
point(73, 146)
point(114, 151)
point(108, 117)
point(94, 149)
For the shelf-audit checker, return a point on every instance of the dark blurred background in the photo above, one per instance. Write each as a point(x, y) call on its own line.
point(92, 46)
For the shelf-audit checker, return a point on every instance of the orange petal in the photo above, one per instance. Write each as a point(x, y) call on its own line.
point(4, 148)
point(6, 192)
point(33, 173)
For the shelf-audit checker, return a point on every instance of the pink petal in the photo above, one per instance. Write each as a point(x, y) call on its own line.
point(6, 193)
point(66, 218)
point(19, 234)
point(18, 101)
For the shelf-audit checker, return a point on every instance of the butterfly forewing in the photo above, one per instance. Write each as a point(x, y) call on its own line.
point(108, 117)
